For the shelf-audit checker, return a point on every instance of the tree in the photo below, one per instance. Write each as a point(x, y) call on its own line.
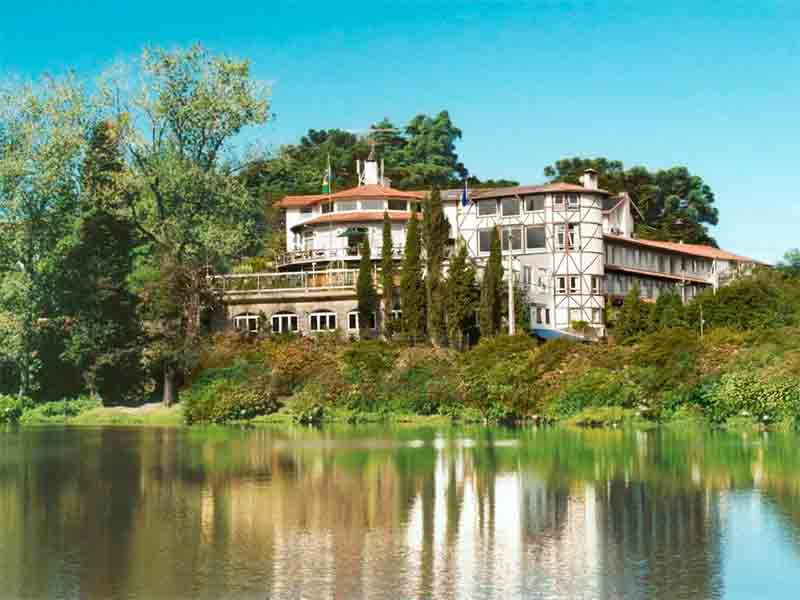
point(668, 311)
point(412, 290)
point(387, 275)
point(676, 204)
point(632, 317)
point(97, 313)
point(522, 312)
point(460, 297)
point(436, 236)
point(790, 264)
point(192, 212)
point(365, 290)
point(43, 138)
point(492, 290)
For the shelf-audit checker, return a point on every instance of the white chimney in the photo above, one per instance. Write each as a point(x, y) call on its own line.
point(589, 179)
point(370, 173)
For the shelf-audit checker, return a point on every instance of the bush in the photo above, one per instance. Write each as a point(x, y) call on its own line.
point(368, 359)
point(12, 408)
point(763, 396)
point(597, 388)
point(308, 405)
point(221, 399)
point(59, 411)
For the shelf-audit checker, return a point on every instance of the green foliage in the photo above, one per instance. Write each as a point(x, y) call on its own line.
point(12, 408)
point(58, 411)
point(461, 295)
point(308, 406)
point(676, 204)
point(762, 396)
point(412, 287)
point(668, 311)
point(597, 388)
point(436, 233)
point(789, 265)
point(365, 289)
point(492, 290)
point(632, 318)
point(368, 359)
point(387, 275)
point(229, 394)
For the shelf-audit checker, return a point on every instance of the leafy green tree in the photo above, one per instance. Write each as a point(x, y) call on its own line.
point(522, 312)
point(387, 275)
point(436, 236)
point(676, 204)
point(668, 311)
point(43, 139)
point(790, 264)
point(633, 317)
point(461, 295)
point(492, 290)
point(183, 200)
point(365, 290)
point(412, 287)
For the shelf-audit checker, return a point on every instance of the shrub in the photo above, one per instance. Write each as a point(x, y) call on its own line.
point(597, 387)
point(308, 405)
point(368, 359)
point(12, 408)
point(760, 395)
point(59, 411)
point(221, 399)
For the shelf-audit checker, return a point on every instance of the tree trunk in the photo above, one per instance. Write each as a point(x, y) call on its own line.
point(168, 397)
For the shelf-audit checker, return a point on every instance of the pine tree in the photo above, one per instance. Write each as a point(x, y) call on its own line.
point(492, 289)
point(460, 297)
point(668, 311)
point(437, 233)
point(365, 290)
point(412, 292)
point(632, 317)
point(387, 275)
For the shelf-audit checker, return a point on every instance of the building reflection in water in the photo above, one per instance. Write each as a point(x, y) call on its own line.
point(411, 514)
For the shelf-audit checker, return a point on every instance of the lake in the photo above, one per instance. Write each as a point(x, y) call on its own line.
point(398, 512)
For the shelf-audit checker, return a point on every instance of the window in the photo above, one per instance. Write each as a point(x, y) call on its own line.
point(510, 207)
point(547, 316)
point(572, 234)
point(535, 202)
point(372, 204)
point(327, 207)
point(573, 201)
point(305, 210)
point(398, 205)
point(246, 322)
point(573, 284)
point(512, 236)
point(534, 238)
point(487, 207)
point(561, 285)
point(342, 205)
point(527, 275)
point(284, 322)
point(539, 315)
point(597, 315)
point(485, 240)
point(322, 321)
point(596, 288)
point(558, 200)
point(353, 321)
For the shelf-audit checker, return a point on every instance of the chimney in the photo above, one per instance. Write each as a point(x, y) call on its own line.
point(589, 179)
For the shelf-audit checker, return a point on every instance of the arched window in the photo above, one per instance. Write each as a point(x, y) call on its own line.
point(322, 320)
point(284, 322)
point(246, 322)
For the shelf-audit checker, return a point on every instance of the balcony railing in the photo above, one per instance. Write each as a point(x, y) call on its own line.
point(267, 283)
point(332, 254)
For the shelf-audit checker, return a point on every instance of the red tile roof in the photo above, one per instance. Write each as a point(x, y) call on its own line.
point(359, 217)
point(691, 249)
point(362, 191)
point(558, 186)
point(669, 276)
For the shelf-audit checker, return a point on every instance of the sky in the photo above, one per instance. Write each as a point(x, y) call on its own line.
point(713, 86)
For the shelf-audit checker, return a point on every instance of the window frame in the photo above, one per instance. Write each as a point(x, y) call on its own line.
point(487, 202)
point(247, 318)
point(574, 279)
point(531, 202)
point(395, 202)
point(577, 201)
point(377, 201)
point(544, 237)
point(506, 233)
point(354, 313)
point(292, 320)
point(316, 316)
point(561, 284)
point(558, 200)
point(488, 232)
point(513, 199)
point(346, 205)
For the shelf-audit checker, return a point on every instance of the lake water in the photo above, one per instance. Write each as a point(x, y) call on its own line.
point(398, 512)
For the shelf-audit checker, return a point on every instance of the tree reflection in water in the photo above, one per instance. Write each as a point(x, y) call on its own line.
point(380, 511)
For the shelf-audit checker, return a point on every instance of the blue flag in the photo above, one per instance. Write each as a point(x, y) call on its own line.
point(465, 194)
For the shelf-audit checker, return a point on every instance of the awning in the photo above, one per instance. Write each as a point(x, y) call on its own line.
point(554, 334)
point(352, 232)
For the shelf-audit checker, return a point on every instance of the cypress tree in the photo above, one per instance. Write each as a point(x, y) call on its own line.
point(668, 311)
point(460, 297)
point(365, 290)
point(492, 289)
point(437, 232)
point(387, 275)
point(632, 318)
point(412, 292)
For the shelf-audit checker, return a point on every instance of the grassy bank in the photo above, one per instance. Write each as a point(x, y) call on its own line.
point(86, 411)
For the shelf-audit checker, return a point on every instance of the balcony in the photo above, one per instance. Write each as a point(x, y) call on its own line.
point(321, 255)
point(276, 284)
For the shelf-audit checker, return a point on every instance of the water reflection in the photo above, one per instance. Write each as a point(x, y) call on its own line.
point(404, 512)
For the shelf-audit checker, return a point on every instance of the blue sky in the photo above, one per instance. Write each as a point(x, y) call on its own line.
point(714, 86)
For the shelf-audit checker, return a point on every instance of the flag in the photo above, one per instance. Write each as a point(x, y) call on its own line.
point(465, 194)
point(326, 179)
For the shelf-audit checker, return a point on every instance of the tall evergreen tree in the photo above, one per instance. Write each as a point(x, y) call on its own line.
point(437, 233)
point(461, 295)
point(365, 290)
point(492, 289)
point(668, 311)
point(412, 290)
point(387, 275)
point(632, 317)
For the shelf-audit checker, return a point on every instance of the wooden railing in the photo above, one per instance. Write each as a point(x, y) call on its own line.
point(268, 283)
point(331, 254)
